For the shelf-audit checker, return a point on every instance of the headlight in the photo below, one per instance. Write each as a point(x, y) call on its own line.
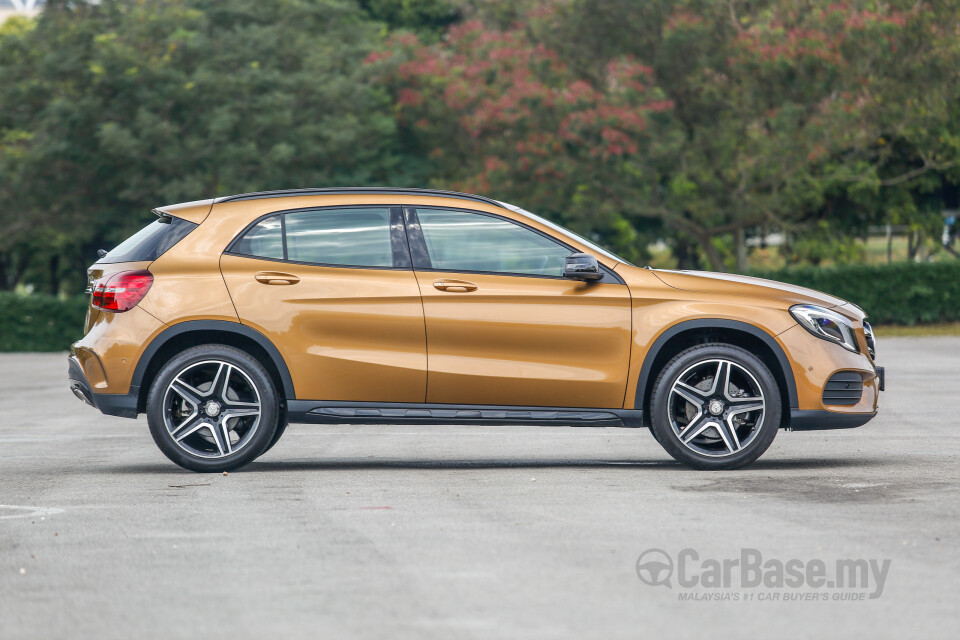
point(826, 324)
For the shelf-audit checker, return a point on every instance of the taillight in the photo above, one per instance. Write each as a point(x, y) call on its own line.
point(121, 291)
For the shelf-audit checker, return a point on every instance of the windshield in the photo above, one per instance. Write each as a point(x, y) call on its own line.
point(566, 232)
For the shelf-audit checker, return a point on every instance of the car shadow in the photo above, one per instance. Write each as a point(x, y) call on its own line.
point(366, 464)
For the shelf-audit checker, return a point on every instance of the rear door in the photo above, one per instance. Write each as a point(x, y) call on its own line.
point(504, 327)
point(333, 289)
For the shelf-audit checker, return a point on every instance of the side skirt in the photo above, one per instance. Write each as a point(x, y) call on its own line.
point(330, 412)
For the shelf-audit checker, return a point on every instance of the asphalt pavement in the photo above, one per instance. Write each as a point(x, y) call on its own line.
point(481, 532)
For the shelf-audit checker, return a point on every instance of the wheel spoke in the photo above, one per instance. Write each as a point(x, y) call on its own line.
point(745, 408)
point(729, 435)
point(232, 414)
point(693, 429)
point(191, 425)
point(722, 379)
point(186, 392)
point(216, 379)
point(689, 397)
point(221, 436)
point(679, 385)
point(237, 403)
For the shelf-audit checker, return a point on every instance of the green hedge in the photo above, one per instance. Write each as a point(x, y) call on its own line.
point(40, 322)
point(903, 293)
point(900, 293)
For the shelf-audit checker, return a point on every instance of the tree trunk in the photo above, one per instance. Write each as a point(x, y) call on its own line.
point(12, 268)
point(913, 244)
point(55, 274)
point(713, 256)
point(740, 242)
point(889, 244)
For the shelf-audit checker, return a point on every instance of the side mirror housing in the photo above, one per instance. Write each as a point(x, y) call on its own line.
point(582, 266)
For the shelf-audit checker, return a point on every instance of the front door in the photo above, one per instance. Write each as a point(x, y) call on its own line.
point(332, 288)
point(504, 327)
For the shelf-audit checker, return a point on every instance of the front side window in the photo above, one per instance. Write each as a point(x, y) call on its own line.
point(464, 241)
point(354, 237)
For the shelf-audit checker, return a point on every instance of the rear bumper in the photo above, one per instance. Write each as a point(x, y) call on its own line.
point(817, 420)
point(123, 405)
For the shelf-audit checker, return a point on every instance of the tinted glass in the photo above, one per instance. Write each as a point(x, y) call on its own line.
point(350, 237)
point(570, 234)
point(150, 243)
point(462, 241)
point(264, 240)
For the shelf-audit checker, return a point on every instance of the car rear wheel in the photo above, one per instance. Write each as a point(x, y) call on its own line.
point(715, 406)
point(213, 408)
point(278, 433)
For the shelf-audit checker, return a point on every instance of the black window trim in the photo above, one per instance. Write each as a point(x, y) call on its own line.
point(411, 238)
point(398, 238)
point(418, 247)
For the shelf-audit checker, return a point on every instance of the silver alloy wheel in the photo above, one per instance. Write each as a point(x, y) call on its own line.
point(211, 409)
point(716, 408)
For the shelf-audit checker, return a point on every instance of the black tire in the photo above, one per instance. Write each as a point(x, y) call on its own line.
point(166, 405)
point(717, 446)
point(279, 432)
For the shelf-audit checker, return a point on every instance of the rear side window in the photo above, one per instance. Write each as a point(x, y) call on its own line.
point(150, 243)
point(351, 237)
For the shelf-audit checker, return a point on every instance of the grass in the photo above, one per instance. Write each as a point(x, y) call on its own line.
point(919, 330)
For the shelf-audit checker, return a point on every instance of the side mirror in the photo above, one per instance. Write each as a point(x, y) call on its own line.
point(582, 266)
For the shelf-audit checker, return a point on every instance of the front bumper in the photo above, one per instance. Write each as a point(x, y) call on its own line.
point(817, 420)
point(823, 419)
point(123, 405)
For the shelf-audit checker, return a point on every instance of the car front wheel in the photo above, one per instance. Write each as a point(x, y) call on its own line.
point(212, 408)
point(715, 406)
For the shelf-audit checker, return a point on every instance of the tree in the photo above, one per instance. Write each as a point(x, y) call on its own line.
point(782, 114)
point(110, 109)
point(506, 115)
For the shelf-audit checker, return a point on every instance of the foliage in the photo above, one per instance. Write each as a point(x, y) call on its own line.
point(709, 118)
point(508, 117)
point(110, 109)
point(40, 322)
point(700, 123)
point(904, 293)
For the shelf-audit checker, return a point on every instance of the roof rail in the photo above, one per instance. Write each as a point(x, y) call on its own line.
point(357, 190)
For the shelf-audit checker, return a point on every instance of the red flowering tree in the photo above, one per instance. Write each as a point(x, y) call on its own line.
point(711, 119)
point(500, 114)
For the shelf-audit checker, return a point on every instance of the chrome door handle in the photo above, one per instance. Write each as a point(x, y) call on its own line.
point(459, 286)
point(276, 277)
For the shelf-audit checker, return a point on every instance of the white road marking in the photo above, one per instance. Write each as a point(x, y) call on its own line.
point(28, 512)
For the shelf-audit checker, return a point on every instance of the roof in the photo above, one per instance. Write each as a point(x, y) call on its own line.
point(357, 191)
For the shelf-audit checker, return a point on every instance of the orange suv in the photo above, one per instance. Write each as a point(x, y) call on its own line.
point(227, 319)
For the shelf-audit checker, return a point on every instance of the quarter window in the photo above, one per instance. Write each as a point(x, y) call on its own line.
point(264, 240)
point(464, 241)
